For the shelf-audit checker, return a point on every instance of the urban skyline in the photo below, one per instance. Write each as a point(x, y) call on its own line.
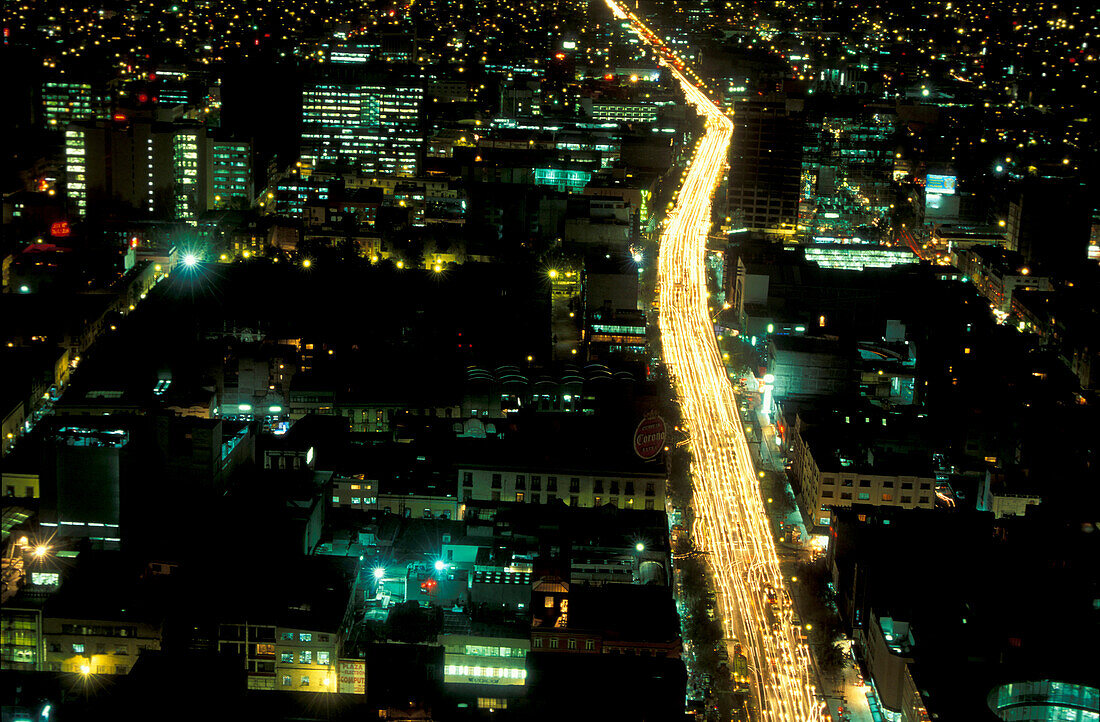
point(613, 360)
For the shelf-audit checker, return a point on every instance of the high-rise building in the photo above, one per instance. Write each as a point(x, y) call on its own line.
point(175, 171)
point(765, 167)
point(65, 102)
point(369, 121)
point(231, 173)
point(185, 173)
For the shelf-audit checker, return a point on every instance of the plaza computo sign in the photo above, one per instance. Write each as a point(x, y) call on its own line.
point(649, 437)
point(352, 676)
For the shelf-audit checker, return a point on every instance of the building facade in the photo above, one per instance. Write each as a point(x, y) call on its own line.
point(372, 124)
point(536, 484)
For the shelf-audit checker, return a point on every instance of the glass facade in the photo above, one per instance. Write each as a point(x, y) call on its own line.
point(21, 639)
point(562, 180)
point(374, 127)
point(1045, 699)
point(858, 257)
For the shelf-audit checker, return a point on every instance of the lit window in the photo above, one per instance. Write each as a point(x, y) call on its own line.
point(305, 637)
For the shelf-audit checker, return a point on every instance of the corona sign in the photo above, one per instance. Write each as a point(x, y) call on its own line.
point(649, 437)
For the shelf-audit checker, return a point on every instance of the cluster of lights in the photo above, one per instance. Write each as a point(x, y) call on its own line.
point(490, 672)
point(731, 522)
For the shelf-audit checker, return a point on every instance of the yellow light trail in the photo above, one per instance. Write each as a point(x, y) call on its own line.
point(731, 523)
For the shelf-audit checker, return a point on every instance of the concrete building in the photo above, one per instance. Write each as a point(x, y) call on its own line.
point(1006, 495)
point(169, 170)
point(766, 166)
point(1000, 274)
point(96, 644)
point(570, 483)
point(887, 646)
point(609, 619)
point(287, 625)
point(484, 660)
point(806, 367)
point(852, 457)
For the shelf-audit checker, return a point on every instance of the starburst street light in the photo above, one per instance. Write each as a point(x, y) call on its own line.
point(190, 260)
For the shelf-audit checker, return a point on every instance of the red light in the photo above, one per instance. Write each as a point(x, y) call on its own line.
point(119, 117)
point(560, 56)
point(256, 41)
point(134, 242)
point(609, 76)
point(143, 98)
point(152, 76)
point(60, 229)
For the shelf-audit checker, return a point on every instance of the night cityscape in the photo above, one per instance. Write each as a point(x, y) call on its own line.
point(464, 360)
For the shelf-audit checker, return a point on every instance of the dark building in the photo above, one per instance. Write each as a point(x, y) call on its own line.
point(1049, 225)
point(927, 610)
point(766, 166)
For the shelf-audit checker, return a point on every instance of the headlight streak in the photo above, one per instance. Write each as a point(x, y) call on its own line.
point(731, 522)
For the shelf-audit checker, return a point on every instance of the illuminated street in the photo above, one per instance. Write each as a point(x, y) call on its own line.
point(731, 524)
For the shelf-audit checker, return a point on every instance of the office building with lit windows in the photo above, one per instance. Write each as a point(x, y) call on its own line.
point(65, 102)
point(372, 122)
point(231, 173)
point(479, 657)
point(171, 171)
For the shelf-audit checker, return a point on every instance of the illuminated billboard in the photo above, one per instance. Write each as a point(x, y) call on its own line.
point(940, 184)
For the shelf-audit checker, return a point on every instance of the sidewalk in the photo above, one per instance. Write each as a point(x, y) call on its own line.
point(851, 696)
